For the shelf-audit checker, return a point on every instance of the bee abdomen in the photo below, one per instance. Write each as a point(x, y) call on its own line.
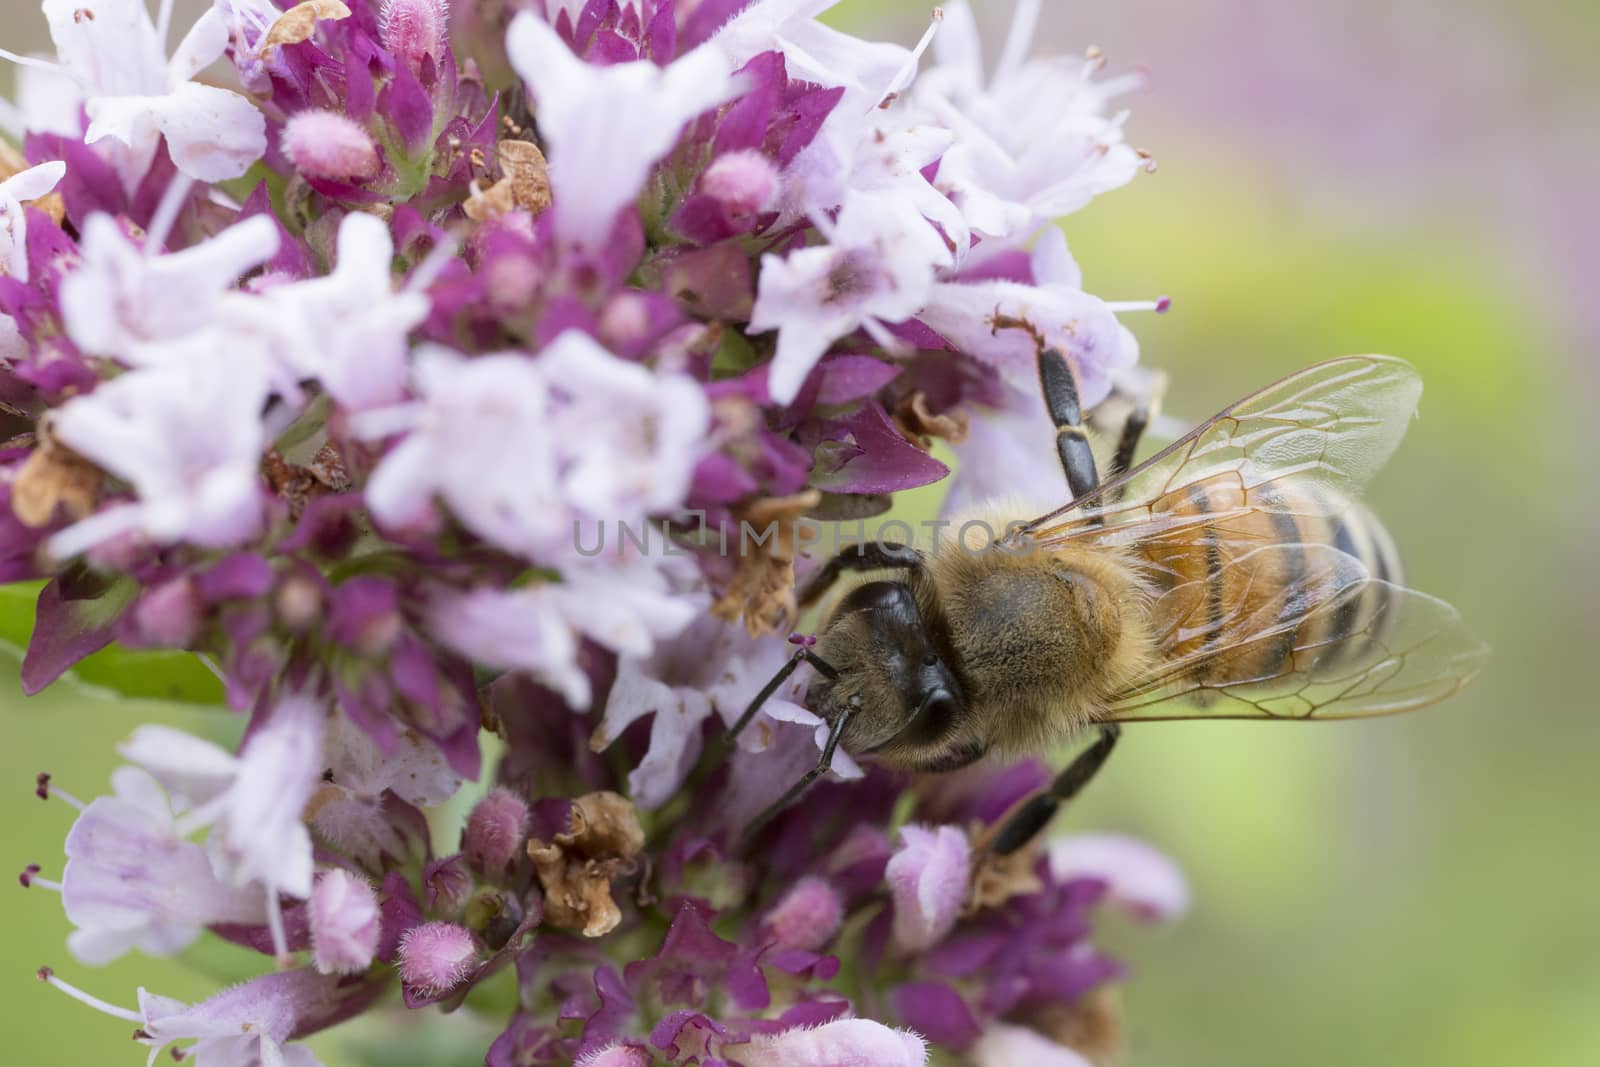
point(1224, 593)
point(1364, 618)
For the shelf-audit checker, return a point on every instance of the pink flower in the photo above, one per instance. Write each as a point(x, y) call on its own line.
point(496, 833)
point(537, 628)
point(744, 181)
point(415, 29)
point(928, 879)
point(344, 923)
point(806, 917)
point(254, 800)
point(435, 957)
point(328, 145)
point(351, 812)
point(841, 1043)
point(472, 416)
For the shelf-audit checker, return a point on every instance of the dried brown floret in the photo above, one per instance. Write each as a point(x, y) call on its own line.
point(524, 184)
point(762, 589)
point(921, 426)
point(299, 23)
point(1092, 1026)
point(54, 475)
point(576, 870)
point(299, 484)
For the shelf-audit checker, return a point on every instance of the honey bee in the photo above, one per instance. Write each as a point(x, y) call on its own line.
point(1233, 575)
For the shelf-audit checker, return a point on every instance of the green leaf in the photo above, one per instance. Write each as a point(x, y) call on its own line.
point(114, 672)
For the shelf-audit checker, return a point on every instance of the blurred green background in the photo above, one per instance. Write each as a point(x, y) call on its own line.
point(1413, 178)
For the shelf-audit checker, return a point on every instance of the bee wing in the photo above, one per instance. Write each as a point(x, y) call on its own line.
point(1328, 427)
point(1333, 642)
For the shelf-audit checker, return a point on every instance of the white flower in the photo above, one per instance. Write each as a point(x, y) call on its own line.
point(129, 303)
point(812, 51)
point(29, 184)
point(654, 429)
point(133, 881)
point(133, 95)
point(604, 127)
point(1035, 142)
point(625, 606)
point(479, 441)
point(879, 152)
point(878, 267)
point(712, 667)
point(521, 629)
point(1006, 1044)
point(254, 800)
point(509, 443)
point(263, 839)
point(348, 328)
point(187, 436)
point(1083, 327)
point(246, 1025)
point(1137, 877)
point(350, 811)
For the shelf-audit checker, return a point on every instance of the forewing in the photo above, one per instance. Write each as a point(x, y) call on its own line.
point(1327, 642)
point(1326, 430)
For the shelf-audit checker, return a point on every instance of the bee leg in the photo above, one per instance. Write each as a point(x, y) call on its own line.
point(759, 823)
point(801, 655)
point(1143, 406)
point(1060, 390)
point(866, 556)
point(1133, 428)
point(1026, 822)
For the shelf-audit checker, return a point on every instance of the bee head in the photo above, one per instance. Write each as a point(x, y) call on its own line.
point(893, 681)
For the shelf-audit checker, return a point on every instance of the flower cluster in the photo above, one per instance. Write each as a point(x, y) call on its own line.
point(413, 377)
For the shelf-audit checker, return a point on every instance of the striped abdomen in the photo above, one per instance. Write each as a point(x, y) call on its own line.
point(1241, 577)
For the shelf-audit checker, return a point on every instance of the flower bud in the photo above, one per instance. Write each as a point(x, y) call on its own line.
point(435, 957)
point(807, 917)
point(330, 146)
point(746, 182)
point(447, 884)
point(496, 831)
point(298, 601)
point(412, 29)
point(344, 923)
point(928, 879)
point(168, 615)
